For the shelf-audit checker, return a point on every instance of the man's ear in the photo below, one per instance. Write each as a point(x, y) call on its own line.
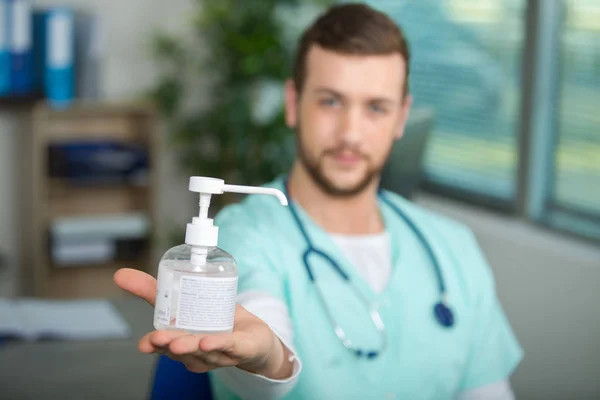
point(291, 104)
point(404, 112)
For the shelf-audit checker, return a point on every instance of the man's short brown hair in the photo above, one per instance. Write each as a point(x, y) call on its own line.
point(355, 29)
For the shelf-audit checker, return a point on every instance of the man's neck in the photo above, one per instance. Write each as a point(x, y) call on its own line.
point(355, 215)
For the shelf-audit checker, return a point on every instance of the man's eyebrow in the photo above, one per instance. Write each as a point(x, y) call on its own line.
point(326, 90)
point(329, 91)
point(383, 100)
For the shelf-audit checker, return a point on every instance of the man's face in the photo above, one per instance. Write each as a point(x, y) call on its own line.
point(350, 111)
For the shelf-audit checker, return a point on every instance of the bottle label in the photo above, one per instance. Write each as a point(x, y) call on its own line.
point(206, 304)
point(162, 308)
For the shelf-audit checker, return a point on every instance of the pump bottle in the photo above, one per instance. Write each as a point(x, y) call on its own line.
point(197, 281)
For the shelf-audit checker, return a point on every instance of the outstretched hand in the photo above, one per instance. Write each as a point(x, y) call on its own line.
point(252, 346)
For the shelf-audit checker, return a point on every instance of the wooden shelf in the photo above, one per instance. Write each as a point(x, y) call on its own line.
point(57, 268)
point(46, 198)
point(82, 281)
point(65, 199)
point(20, 101)
point(89, 108)
point(62, 186)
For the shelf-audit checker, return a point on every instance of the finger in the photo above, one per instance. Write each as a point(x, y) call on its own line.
point(145, 345)
point(200, 363)
point(216, 360)
point(210, 360)
point(191, 344)
point(188, 344)
point(164, 338)
point(197, 367)
point(224, 342)
point(137, 282)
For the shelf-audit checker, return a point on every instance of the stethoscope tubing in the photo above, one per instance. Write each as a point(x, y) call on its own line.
point(441, 310)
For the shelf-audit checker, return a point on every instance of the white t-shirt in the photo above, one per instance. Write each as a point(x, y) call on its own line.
point(371, 256)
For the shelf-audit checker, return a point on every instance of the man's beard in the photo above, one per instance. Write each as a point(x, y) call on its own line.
point(316, 171)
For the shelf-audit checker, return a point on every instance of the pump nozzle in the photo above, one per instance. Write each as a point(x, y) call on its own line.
point(202, 232)
point(202, 184)
point(256, 190)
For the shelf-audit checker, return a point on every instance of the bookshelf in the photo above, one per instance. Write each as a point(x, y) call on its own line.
point(46, 199)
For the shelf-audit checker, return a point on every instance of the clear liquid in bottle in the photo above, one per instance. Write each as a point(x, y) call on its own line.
point(196, 290)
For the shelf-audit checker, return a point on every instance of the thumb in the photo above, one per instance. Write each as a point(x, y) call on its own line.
point(138, 283)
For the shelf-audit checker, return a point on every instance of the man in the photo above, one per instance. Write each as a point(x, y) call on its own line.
point(348, 101)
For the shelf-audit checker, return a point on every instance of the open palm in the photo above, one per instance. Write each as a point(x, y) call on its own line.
point(251, 346)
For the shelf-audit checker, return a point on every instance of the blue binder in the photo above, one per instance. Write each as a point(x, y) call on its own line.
point(21, 47)
point(4, 48)
point(40, 18)
point(60, 57)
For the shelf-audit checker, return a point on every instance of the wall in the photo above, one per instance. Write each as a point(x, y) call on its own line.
point(549, 285)
point(127, 69)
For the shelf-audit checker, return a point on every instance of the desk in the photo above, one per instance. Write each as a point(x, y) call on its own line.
point(104, 369)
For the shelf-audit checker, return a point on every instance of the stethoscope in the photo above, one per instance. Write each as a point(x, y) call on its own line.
point(442, 312)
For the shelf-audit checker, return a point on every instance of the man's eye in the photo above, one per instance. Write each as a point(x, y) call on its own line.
point(330, 102)
point(377, 108)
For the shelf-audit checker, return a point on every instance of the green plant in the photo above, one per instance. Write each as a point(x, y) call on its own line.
point(242, 52)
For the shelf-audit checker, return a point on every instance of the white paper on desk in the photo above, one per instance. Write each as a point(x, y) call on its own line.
point(9, 324)
point(62, 319)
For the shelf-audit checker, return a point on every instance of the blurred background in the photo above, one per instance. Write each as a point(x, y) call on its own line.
point(107, 108)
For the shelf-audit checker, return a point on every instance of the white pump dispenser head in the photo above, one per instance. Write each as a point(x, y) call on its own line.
point(202, 232)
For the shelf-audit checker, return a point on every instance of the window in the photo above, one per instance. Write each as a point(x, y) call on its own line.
point(466, 67)
point(575, 188)
point(515, 89)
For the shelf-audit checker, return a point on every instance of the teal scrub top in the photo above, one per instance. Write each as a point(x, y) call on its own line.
point(422, 360)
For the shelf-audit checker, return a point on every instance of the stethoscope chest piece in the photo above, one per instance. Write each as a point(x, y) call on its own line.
point(443, 314)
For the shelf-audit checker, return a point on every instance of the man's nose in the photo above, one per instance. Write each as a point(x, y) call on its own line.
point(351, 126)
